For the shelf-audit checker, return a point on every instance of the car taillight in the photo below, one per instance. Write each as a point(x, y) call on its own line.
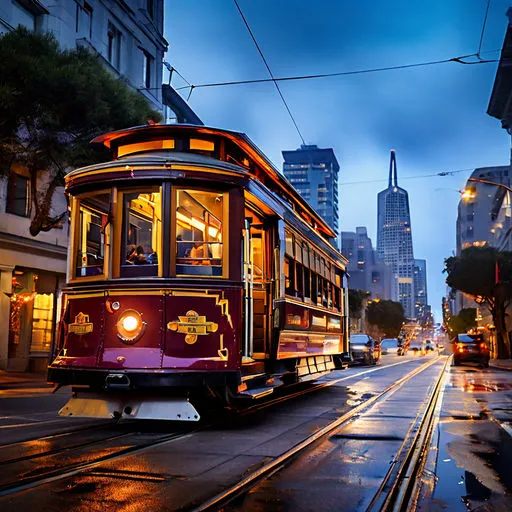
point(483, 346)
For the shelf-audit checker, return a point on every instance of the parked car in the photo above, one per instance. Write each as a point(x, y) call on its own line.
point(390, 346)
point(429, 345)
point(470, 348)
point(364, 349)
point(417, 347)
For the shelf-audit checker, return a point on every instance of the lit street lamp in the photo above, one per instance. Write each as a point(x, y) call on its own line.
point(471, 194)
point(487, 182)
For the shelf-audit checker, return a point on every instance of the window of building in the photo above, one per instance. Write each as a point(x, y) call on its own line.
point(42, 323)
point(18, 195)
point(147, 69)
point(199, 232)
point(114, 45)
point(84, 20)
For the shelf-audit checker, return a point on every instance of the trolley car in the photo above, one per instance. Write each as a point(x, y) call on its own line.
point(194, 266)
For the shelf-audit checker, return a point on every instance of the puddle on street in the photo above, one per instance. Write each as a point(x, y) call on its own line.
point(472, 469)
point(486, 387)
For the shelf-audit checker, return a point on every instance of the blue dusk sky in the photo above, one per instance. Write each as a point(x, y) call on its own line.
point(434, 117)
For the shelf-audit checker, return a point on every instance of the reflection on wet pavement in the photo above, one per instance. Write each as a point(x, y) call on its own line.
point(474, 451)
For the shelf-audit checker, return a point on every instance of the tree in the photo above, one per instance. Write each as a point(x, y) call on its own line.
point(463, 322)
point(52, 103)
point(387, 315)
point(485, 273)
point(356, 302)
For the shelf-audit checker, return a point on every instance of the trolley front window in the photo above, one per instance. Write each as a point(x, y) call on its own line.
point(141, 233)
point(93, 219)
point(199, 232)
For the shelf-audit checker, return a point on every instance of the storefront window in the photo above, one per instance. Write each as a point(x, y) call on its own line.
point(199, 222)
point(142, 226)
point(94, 214)
point(42, 323)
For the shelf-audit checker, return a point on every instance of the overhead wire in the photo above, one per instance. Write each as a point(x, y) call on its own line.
point(483, 28)
point(442, 173)
point(459, 60)
point(268, 69)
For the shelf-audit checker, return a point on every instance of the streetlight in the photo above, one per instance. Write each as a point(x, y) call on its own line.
point(470, 194)
point(487, 182)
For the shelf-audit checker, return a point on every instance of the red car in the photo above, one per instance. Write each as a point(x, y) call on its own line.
point(470, 348)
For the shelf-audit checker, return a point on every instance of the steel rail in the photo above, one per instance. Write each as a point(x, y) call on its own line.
point(248, 482)
point(72, 469)
point(316, 387)
point(62, 450)
point(400, 486)
point(78, 467)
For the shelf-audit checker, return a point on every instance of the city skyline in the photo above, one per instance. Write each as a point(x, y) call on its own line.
point(433, 116)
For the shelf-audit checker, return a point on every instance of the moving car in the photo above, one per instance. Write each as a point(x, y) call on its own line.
point(417, 347)
point(390, 346)
point(470, 348)
point(429, 345)
point(364, 349)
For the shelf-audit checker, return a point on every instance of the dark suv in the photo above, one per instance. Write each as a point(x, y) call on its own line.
point(470, 348)
point(364, 349)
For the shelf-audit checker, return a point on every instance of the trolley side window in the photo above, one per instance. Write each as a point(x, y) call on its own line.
point(199, 232)
point(93, 218)
point(141, 233)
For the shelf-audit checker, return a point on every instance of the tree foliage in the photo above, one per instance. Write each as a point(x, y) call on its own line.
point(485, 274)
point(387, 315)
point(463, 322)
point(52, 103)
point(356, 302)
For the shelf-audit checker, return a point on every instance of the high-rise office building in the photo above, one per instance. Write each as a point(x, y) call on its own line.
point(394, 239)
point(420, 288)
point(314, 173)
point(477, 220)
point(367, 272)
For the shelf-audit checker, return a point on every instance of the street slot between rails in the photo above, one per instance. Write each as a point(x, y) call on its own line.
point(281, 462)
point(23, 483)
point(401, 485)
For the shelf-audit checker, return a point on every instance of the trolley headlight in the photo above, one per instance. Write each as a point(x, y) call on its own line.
point(130, 326)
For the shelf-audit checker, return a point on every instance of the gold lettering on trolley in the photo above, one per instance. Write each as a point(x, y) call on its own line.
point(81, 325)
point(192, 325)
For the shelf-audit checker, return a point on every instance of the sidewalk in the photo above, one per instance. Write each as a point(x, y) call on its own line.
point(504, 364)
point(20, 380)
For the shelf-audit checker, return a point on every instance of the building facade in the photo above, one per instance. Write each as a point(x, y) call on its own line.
point(394, 239)
point(127, 35)
point(367, 272)
point(478, 218)
point(314, 173)
point(421, 307)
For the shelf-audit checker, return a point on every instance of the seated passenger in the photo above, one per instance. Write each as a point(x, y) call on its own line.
point(131, 254)
point(140, 257)
point(200, 251)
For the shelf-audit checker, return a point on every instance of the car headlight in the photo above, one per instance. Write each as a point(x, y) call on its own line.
point(130, 326)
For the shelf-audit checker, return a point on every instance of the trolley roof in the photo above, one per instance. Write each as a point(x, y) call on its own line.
point(263, 167)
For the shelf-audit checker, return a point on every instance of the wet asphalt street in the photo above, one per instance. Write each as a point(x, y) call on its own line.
point(466, 468)
point(471, 452)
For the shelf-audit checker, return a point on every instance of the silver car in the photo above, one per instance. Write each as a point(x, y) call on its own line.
point(364, 349)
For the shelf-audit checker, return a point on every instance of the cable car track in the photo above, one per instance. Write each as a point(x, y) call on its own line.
point(22, 480)
point(406, 466)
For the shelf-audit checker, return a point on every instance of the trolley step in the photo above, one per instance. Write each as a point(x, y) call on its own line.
point(256, 393)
